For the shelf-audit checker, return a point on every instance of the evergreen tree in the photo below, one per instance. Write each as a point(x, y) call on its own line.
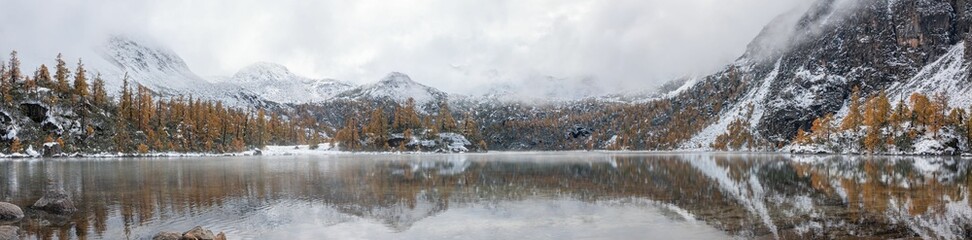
point(822, 128)
point(921, 109)
point(14, 74)
point(446, 121)
point(376, 130)
point(99, 96)
point(853, 119)
point(15, 146)
point(81, 82)
point(6, 88)
point(61, 75)
point(126, 103)
point(43, 77)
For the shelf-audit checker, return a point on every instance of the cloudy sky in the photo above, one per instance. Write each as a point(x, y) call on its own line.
point(454, 45)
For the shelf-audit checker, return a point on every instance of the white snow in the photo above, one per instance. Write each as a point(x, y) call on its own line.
point(276, 83)
point(949, 74)
point(399, 88)
point(755, 98)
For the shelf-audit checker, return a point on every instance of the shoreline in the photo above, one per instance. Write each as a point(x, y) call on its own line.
point(303, 150)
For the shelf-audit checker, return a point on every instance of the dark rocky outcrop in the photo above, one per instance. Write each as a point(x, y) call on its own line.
point(35, 111)
point(52, 150)
point(55, 201)
point(10, 212)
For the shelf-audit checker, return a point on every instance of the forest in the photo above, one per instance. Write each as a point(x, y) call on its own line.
point(63, 112)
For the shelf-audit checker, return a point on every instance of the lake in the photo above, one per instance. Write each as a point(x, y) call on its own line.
point(563, 195)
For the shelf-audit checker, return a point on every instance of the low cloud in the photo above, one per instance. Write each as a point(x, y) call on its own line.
point(458, 46)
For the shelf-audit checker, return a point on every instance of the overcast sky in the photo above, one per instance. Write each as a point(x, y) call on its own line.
point(450, 44)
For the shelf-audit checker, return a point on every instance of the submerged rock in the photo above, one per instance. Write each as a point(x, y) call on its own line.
point(55, 201)
point(167, 236)
point(198, 233)
point(9, 233)
point(10, 212)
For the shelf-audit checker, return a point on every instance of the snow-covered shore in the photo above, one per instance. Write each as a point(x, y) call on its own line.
point(323, 149)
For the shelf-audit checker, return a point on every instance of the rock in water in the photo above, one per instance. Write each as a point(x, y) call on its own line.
point(55, 201)
point(9, 233)
point(167, 236)
point(10, 212)
point(221, 236)
point(198, 233)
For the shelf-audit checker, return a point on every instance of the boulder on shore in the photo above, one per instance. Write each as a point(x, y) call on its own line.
point(52, 149)
point(10, 212)
point(55, 201)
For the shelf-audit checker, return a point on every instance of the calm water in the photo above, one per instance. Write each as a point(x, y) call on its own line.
point(501, 196)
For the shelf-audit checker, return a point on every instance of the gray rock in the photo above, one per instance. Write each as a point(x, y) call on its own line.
point(51, 150)
point(9, 233)
point(10, 212)
point(198, 233)
point(55, 201)
point(167, 236)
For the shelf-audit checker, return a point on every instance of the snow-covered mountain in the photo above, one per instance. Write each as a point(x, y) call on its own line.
point(397, 87)
point(275, 82)
point(544, 89)
point(805, 65)
point(164, 72)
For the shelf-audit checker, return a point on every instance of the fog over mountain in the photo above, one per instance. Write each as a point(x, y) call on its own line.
point(464, 47)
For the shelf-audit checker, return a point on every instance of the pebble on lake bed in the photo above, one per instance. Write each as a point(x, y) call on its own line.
point(10, 212)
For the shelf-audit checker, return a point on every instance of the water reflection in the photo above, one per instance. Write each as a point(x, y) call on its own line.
point(556, 195)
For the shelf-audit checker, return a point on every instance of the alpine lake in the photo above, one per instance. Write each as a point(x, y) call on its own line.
point(557, 195)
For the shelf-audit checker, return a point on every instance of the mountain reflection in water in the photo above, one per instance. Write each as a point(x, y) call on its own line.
point(514, 195)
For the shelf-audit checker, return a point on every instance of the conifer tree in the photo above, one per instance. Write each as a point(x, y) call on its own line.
point(121, 137)
point(921, 109)
point(61, 73)
point(13, 72)
point(81, 82)
point(377, 129)
point(853, 119)
point(126, 103)
point(30, 86)
point(900, 115)
point(6, 89)
point(15, 146)
point(446, 121)
point(822, 127)
point(43, 77)
point(98, 94)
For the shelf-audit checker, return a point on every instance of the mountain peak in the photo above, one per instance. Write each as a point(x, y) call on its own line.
point(397, 87)
point(264, 71)
point(397, 79)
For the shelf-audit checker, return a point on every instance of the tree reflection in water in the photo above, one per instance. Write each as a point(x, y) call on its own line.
point(751, 195)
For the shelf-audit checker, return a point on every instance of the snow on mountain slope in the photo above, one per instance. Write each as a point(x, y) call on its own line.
point(164, 72)
point(547, 89)
point(949, 74)
point(752, 105)
point(397, 87)
point(276, 83)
